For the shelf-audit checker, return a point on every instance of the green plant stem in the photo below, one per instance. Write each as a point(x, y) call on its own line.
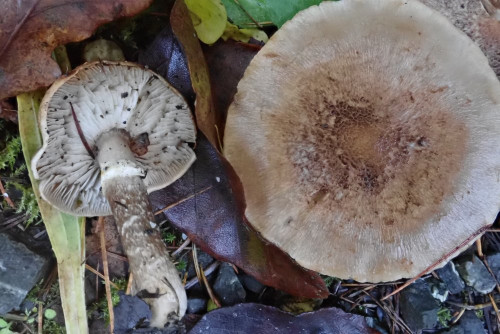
point(65, 231)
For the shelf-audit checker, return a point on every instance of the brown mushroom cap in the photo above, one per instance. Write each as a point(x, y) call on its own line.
point(366, 134)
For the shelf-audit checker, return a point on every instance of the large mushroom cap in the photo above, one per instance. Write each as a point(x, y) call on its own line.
point(366, 134)
point(110, 96)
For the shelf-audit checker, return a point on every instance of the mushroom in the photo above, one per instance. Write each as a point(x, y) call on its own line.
point(365, 134)
point(113, 131)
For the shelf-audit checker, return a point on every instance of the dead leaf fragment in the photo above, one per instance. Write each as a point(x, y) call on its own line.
point(31, 29)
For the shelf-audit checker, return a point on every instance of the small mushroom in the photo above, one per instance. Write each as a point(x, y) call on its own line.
point(113, 131)
point(365, 134)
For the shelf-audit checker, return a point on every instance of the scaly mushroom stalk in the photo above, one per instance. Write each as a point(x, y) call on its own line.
point(156, 279)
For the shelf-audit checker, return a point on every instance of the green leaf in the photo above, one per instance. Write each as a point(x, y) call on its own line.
point(49, 314)
point(66, 232)
point(243, 35)
point(6, 331)
point(3, 323)
point(276, 11)
point(211, 305)
point(209, 19)
point(257, 9)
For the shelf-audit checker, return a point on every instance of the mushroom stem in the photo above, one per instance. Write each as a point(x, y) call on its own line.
point(156, 279)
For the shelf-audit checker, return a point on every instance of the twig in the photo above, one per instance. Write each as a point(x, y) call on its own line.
point(439, 261)
point(494, 304)
point(390, 313)
point(211, 268)
point(469, 307)
point(40, 317)
point(183, 200)
point(6, 196)
point(129, 283)
point(15, 317)
point(459, 315)
point(92, 270)
point(201, 277)
point(100, 223)
point(479, 247)
point(181, 247)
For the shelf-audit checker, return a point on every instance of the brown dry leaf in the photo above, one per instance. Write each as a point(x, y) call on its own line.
point(206, 118)
point(31, 29)
point(7, 111)
point(227, 61)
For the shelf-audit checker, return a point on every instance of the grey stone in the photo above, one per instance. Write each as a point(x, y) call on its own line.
point(469, 323)
point(130, 312)
point(475, 274)
point(227, 286)
point(449, 275)
point(251, 284)
point(196, 305)
point(494, 263)
point(418, 307)
point(20, 269)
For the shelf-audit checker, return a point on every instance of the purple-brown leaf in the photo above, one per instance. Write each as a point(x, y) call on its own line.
point(256, 318)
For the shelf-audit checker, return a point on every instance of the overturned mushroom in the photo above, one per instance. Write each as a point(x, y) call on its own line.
point(112, 132)
point(366, 134)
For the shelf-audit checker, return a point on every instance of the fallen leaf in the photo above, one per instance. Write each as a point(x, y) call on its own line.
point(206, 118)
point(215, 221)
point(165, 56)
point(243, 35)
point(276, 11)
point(209, 19)
point(262, 319)
point(31, 29)
point(239, 12)
point(227, 62)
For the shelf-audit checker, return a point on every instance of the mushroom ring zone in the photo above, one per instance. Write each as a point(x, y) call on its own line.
point(365, 134)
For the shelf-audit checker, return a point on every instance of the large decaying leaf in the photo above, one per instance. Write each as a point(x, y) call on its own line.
point(214, 219)
point(256, 318)
point(31, 29)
